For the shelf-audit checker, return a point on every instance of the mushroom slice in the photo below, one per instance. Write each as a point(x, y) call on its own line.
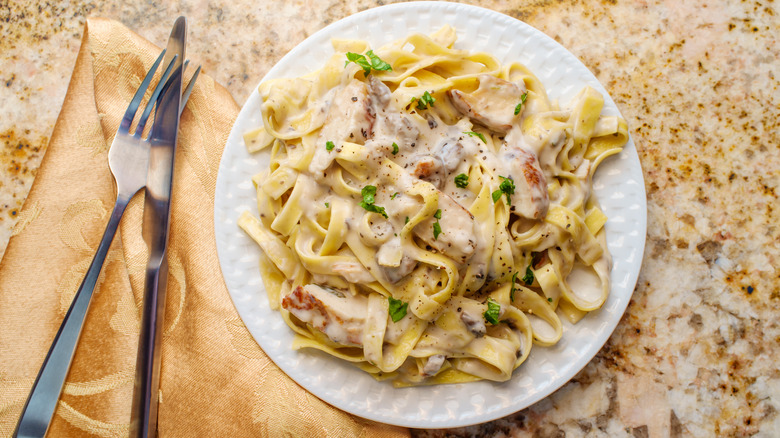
point(433, 365)
point(474, 324)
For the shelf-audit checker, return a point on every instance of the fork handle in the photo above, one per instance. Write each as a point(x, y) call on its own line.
point(45, 393)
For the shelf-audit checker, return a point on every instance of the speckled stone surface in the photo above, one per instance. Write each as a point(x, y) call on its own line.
point(696, 352)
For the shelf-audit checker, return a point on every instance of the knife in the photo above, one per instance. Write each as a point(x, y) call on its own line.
point(155, 229)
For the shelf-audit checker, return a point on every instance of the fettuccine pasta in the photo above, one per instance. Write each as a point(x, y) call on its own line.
point(428, 213)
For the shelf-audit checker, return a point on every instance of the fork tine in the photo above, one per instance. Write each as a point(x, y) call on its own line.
point(127, 120)
point(186, 96)
point(153, 100)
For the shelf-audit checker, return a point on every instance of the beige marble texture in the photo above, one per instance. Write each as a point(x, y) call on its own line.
point(696, 352)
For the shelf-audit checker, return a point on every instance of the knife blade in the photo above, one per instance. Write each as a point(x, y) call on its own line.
point(156, 224)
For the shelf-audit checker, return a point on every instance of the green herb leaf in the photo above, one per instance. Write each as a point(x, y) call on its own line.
point(478, 135)
point(395, 148)
point(425, 101)
point(522, 101)
point(368, 193)
point(393, 195)
point(436, 225)
point(491, 314)
point(528, 278)
point(436, 230)
point(327, 205)
point(397, 309)
point(506, 187)
point(406, 221)
point(359, 60)
point(549, 299)
point(374, 209)
point(462, 181)
point(329, 145)
point(512, 290)
point(377, 63)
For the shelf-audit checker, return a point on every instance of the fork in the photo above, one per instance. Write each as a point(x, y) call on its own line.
point(128, 158)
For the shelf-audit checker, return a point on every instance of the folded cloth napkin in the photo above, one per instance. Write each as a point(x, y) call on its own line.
point(215, 379)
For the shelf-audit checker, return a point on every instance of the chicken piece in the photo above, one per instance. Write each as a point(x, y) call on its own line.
point(492, 104)
point(350, 118)
point(350, 115)
point(458, 230)
point(530, 199)
point(340, 316)
point(436, 167)
point(353, 272)
point(427, 167)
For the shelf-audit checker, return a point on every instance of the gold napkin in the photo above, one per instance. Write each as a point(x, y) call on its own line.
point(215, 379)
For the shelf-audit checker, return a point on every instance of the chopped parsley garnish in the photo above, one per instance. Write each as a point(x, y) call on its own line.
point(528, 278)
point(522, 101)
point(393, 195)
point(395, 148)
point(507, 187)
point(327, 205)
point(462, 181)
point(425, 101)
point(406, 221)
point(397, 309)
point(491, 314)
point(359, 60)
point(368, 193)
point(329, 145)
point(374, 209)
point(549, 299)
point(376, 63)
point(436, 225)
point(512, 290)
point(478, 135)
point(436, 230)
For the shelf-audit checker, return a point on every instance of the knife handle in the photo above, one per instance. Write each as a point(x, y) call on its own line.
point(147, 377)
point(45, 393)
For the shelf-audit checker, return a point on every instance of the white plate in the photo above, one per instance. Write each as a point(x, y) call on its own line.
point(619, 185)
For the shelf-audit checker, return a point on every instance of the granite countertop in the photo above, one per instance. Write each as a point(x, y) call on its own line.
point(695, 353)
